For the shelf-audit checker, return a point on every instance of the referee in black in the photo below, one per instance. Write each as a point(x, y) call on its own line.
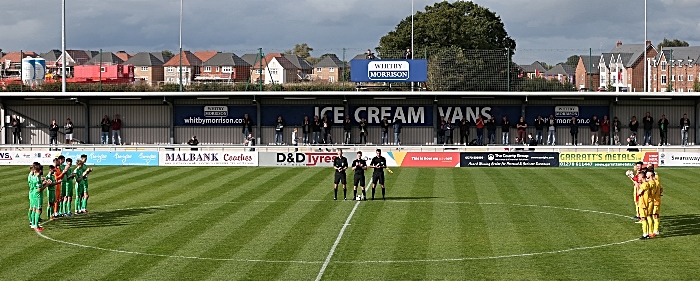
point(378, 163)
point(359, 165)
point(340, 163)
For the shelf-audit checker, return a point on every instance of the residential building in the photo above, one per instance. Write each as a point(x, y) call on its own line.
point(11, 63)
point(250, 58)
point(124, 56)
point(105, 58)
point(623, 67)
point(148, 67)
point(532, 71)
point(562, 72)
point(329, 69)
point(675, 69)
point(205, 55)
point(588, 73)
point(190, 68)
point(73, 58)
point(275, 69)
point(225, 67)
point(304, 69)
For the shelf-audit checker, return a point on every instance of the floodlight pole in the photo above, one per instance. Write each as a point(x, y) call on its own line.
point(180, 68)
point(63, 46)
point(646, 75)
point(412, 50)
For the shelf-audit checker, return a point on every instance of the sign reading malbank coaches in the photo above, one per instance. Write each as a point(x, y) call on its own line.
point(388, 70)
point(115, 158)
point(606, 159)
point(509, 159)
point(206, 158)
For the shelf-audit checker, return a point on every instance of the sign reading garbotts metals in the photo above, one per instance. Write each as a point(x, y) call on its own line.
point(388, 71)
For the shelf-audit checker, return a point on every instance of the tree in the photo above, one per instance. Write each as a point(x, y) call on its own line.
point(672, 43)
point(572, 60)
point(303, 50)
point(167, 54)
point(696, 85)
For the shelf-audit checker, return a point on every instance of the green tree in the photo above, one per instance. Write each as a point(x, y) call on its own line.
point(672, 43)
point(167, 54)
point(572, 60)
point(696, 85)
point(303, 50)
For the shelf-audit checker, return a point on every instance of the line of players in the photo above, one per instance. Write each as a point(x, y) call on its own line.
point(647, 196)
point(59, 184)
point(359, 166)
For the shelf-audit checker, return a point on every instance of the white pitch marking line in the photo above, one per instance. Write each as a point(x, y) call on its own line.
point(337, 241)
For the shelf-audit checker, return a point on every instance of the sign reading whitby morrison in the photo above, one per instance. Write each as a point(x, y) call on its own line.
point(388, 71)
point(212, 115)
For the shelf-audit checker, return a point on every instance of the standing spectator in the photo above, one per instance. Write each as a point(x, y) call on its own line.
point(385, 131)
point(551, 130)
point(250, 141)
point(53, 132)
point(605, 129)
point(316, 129)
point(491, 130)
point(305, 130)
point(327, 127)
point(408, 54)
point(193, 142)
point(106, 124)
point(369, 55)
point(648, 123)
point(117, 130)
point(247, 125)
point(295, 139)
point(685, 127)
point(68, 129)
point(539, 129)
point(279, 131)
point(663, 129)
point(595, 125)
point(634, 126)
point(441, 130)
point(522, 127)
point(574, 131)
point(480, 130)
point(505, 131)
point(464, 131)
point(16, 130)
point(632, 140)
point(347, 130)
point(616, 126)
point(397, 130)
point(363, 131)
point(449, 138)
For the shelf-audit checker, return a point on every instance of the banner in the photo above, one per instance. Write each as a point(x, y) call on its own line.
point(509, 159)
point(606, 159)
point(115, 158)
point(563, 114)
point(214, 115)
point(22, 158)
point(388, 71)
point(471, 113)
point(205, 158)
point(679, 159)
point(298, 159)
point(422, 159)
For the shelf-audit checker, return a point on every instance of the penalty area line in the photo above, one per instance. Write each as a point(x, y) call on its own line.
point(337, 241)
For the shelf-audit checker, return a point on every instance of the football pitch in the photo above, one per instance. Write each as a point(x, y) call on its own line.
point(216, 223)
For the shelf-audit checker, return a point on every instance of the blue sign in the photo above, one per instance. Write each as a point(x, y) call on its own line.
point(213, 115)
point(115, 158)
point(388, 71)
point(294, 115)
point(563, 114)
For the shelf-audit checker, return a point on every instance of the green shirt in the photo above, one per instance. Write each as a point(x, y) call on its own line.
point(34, 183)
point(79, 173)
point(51, 177)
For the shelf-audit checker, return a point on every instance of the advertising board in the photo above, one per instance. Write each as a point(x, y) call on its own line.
point(115, 158)
point(509, 159)
point(388, 71)
point(20, 158)
point(563, 114)
point(205, 158)
point(298, 159)
point(606, 159)
point(421, 159)
point(679, 159)
point(212, 115)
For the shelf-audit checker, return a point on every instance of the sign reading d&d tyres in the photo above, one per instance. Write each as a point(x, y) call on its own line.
point(204, 158)
point(509, 159)
point(606, 159)
point(298, 159)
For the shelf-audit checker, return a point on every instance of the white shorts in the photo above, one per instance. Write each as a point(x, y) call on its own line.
point(69, 136)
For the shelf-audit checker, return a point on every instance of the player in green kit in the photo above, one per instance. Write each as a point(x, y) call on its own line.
point(81, 193)
point(67, 189)
point(36, 187)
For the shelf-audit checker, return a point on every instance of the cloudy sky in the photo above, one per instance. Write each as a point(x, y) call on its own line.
point(545, 30)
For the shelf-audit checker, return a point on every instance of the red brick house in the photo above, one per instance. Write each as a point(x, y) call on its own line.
point(225, 67)
point(675, 69)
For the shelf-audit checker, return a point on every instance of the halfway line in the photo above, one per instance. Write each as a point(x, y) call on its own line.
point(337, 241)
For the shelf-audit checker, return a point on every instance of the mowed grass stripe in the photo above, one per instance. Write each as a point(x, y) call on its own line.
point(447, 238)
point(470, 219)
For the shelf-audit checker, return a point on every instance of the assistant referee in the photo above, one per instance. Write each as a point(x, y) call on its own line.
point(340, 163)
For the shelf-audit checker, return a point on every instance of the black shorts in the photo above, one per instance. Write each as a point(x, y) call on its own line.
point(340, 178)
point(359, 181)
point(378, 178)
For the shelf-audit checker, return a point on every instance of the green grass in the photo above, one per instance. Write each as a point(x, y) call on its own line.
point(280, 224)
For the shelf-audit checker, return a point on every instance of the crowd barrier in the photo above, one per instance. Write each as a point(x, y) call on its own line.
point(323, 156)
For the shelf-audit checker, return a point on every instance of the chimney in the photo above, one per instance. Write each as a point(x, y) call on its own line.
point(648, 42)
point(618, 44)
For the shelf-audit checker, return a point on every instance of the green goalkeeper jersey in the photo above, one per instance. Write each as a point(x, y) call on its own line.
point(78, 172)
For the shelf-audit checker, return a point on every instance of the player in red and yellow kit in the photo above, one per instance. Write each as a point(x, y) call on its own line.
point(643, 201)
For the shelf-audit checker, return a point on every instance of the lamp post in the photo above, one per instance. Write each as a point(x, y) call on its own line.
point(180, 68)
point(63, 46)
point(412, 50)
point(646, 75)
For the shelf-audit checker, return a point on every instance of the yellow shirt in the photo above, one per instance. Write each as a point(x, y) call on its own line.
point(657, 195)
point(643, 192)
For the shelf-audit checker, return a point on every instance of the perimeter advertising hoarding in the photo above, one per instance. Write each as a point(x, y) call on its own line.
point(679, 159)
point(509, 159)
point(212, 115)
point(563, 114)
point(389, 71)
point(205, 158)
point(21, 158)
point(606, 159)
point(115, 158)
point(422, 159)
point(298, 159)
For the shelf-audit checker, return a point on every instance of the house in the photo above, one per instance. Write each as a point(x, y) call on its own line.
point(674, 69)
point(329, 69)
point(124, 56)
point(304, 69)
point(532, 71)
point(205, 55)
point(276, 69)
point(73, 58)
point(11, 63)
point(148, 67)
point(623, 67)
point(225, 67)
point(588, 73)
point(250, 58)
point(562, 72)
point(105, 58)
point(190, 68)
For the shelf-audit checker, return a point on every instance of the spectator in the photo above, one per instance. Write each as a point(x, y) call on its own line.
point(305, 130)
point(491, 130)
point(574, 131)
point(397, 130)
point(532, 141)
point(522, 127)
point(385, 131)
point(250, 141)
point(595, 125)
point(363, 131)
point(327, 127)
point(193, 142)
point(505, 131)
point(632, 140)
point(539, 129)
point(634, 126)
point(369, 55)
point(464, 131)
point(106, 124)
point(16, 130)
point(295, 139)
point(347, 130)
point(551, 130)
point(441, 130)
point(605, 129)
point(68, 130)
point(117, 130)
point(449, 138)
point(685, 127)
point(247, 125)
point(648, 123)
point(53, 132)
point(279, 131)
point(408, 54)
point(663, 129)
point(316, 129)
point(616, 126)
point(480, 130)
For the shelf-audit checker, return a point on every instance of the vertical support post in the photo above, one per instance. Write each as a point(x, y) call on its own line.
point(343, 69)
point(63, 47)
point(590, 69)
point(100, 70)
point(508, 70)
point(21, 71)
point(260, 77)
point(670, 69)
point(258, 126)
point(180, 45)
